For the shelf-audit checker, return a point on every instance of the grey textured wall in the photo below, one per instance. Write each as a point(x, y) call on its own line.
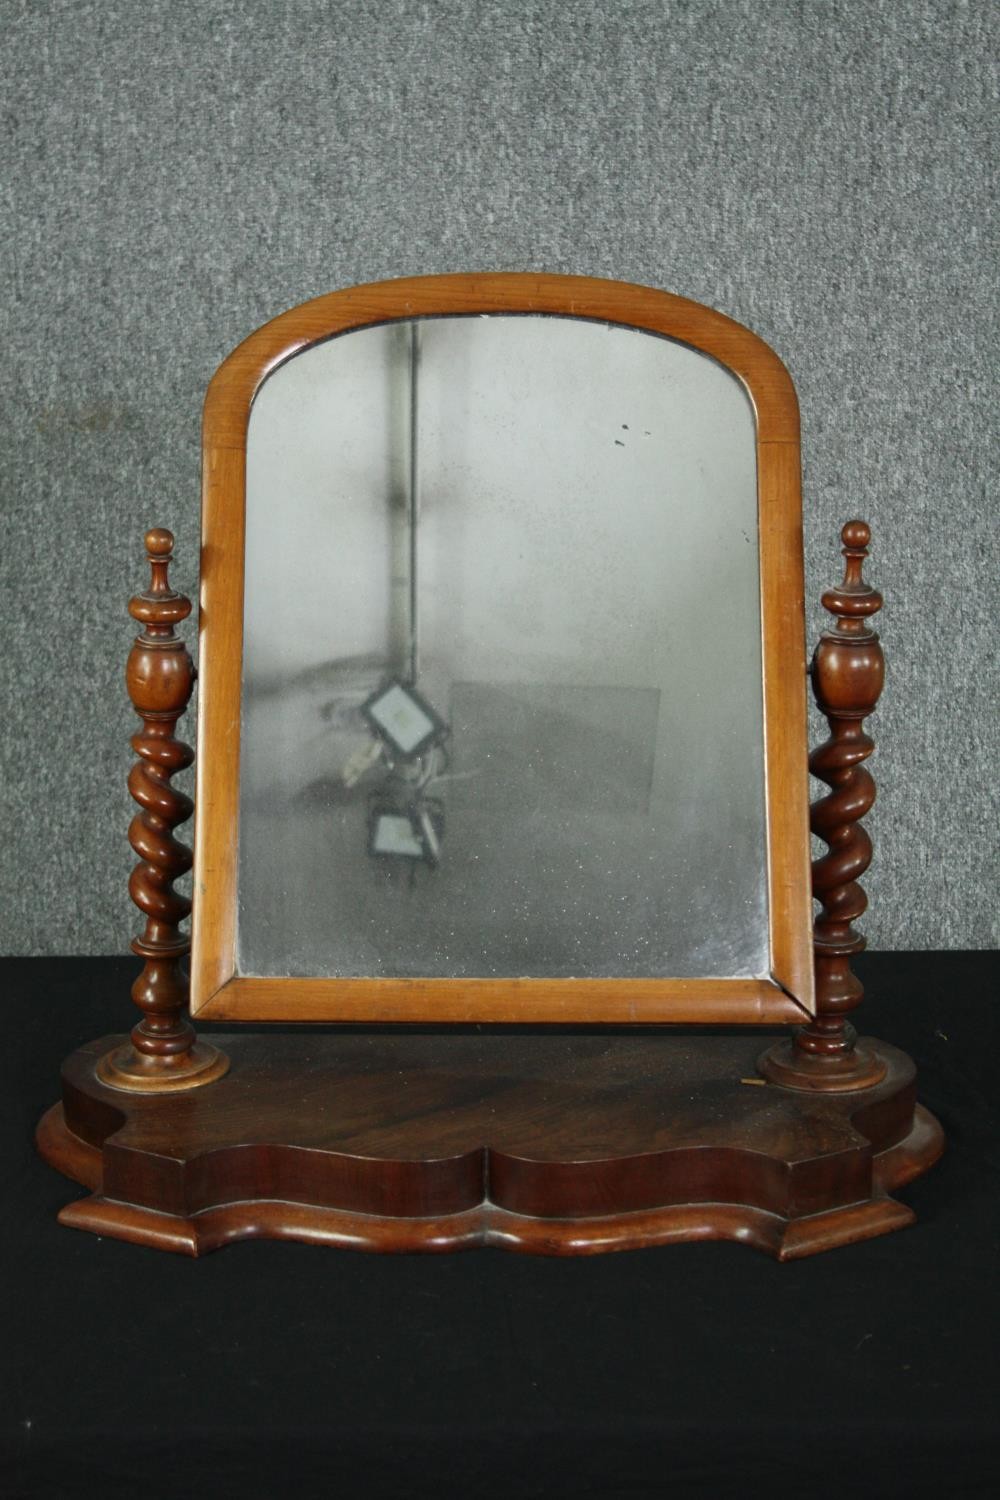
point(175, 174)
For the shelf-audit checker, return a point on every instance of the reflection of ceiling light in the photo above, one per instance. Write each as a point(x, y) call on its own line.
point(412, 832)
point(393, 833)
point(403, 719)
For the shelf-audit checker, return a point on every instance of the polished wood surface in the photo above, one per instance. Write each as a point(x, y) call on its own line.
point(730, 1002)
point(163, 1052)
point(785, 994)
point(558, 1144)
point(847, 675)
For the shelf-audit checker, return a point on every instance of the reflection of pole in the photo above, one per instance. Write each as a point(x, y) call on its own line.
point(414, 501)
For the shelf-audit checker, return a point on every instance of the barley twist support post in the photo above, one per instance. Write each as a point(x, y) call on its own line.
point(847, 673)
point(163, 1052)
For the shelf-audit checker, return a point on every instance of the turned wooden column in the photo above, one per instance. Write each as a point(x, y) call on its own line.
point(163, 1052)
point(847, 672)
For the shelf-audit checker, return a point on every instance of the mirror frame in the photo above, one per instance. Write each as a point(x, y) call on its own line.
point(787, 993)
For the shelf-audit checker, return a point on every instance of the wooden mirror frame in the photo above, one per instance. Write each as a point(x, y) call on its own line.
point(787, 993)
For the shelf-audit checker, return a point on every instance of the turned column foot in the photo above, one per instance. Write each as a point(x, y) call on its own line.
point(857, 1066)
point(138, 1072)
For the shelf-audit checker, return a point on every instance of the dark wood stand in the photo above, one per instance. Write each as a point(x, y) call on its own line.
point(554, 1143)
point(562, 1144)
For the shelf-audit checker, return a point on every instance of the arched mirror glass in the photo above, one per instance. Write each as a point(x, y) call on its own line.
point(502, 697)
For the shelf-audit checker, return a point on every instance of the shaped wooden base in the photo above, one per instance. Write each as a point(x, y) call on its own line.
point(560, 1144)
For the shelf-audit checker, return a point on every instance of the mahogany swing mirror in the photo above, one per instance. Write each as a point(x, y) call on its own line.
point(502, 718)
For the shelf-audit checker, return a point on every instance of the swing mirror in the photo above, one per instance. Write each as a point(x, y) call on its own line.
point(502, 711)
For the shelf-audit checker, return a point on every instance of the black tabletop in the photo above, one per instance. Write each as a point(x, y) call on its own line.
point(709, 1369)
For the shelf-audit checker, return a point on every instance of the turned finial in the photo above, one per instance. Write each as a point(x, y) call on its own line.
point(848, 669)
point(160, 542)
point(853, 600)
point(159, 552)
point(159, 609)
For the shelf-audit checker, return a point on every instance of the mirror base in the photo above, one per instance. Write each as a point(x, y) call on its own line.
point(560, 1144)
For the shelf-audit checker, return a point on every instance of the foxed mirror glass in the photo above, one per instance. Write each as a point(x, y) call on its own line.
point(502, 596)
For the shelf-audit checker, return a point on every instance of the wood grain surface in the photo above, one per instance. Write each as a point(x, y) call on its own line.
point(560, 1144)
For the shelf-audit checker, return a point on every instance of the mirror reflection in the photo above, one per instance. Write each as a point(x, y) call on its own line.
point(502, 697)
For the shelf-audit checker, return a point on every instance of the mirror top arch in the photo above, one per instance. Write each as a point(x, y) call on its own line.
point(237, 380)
